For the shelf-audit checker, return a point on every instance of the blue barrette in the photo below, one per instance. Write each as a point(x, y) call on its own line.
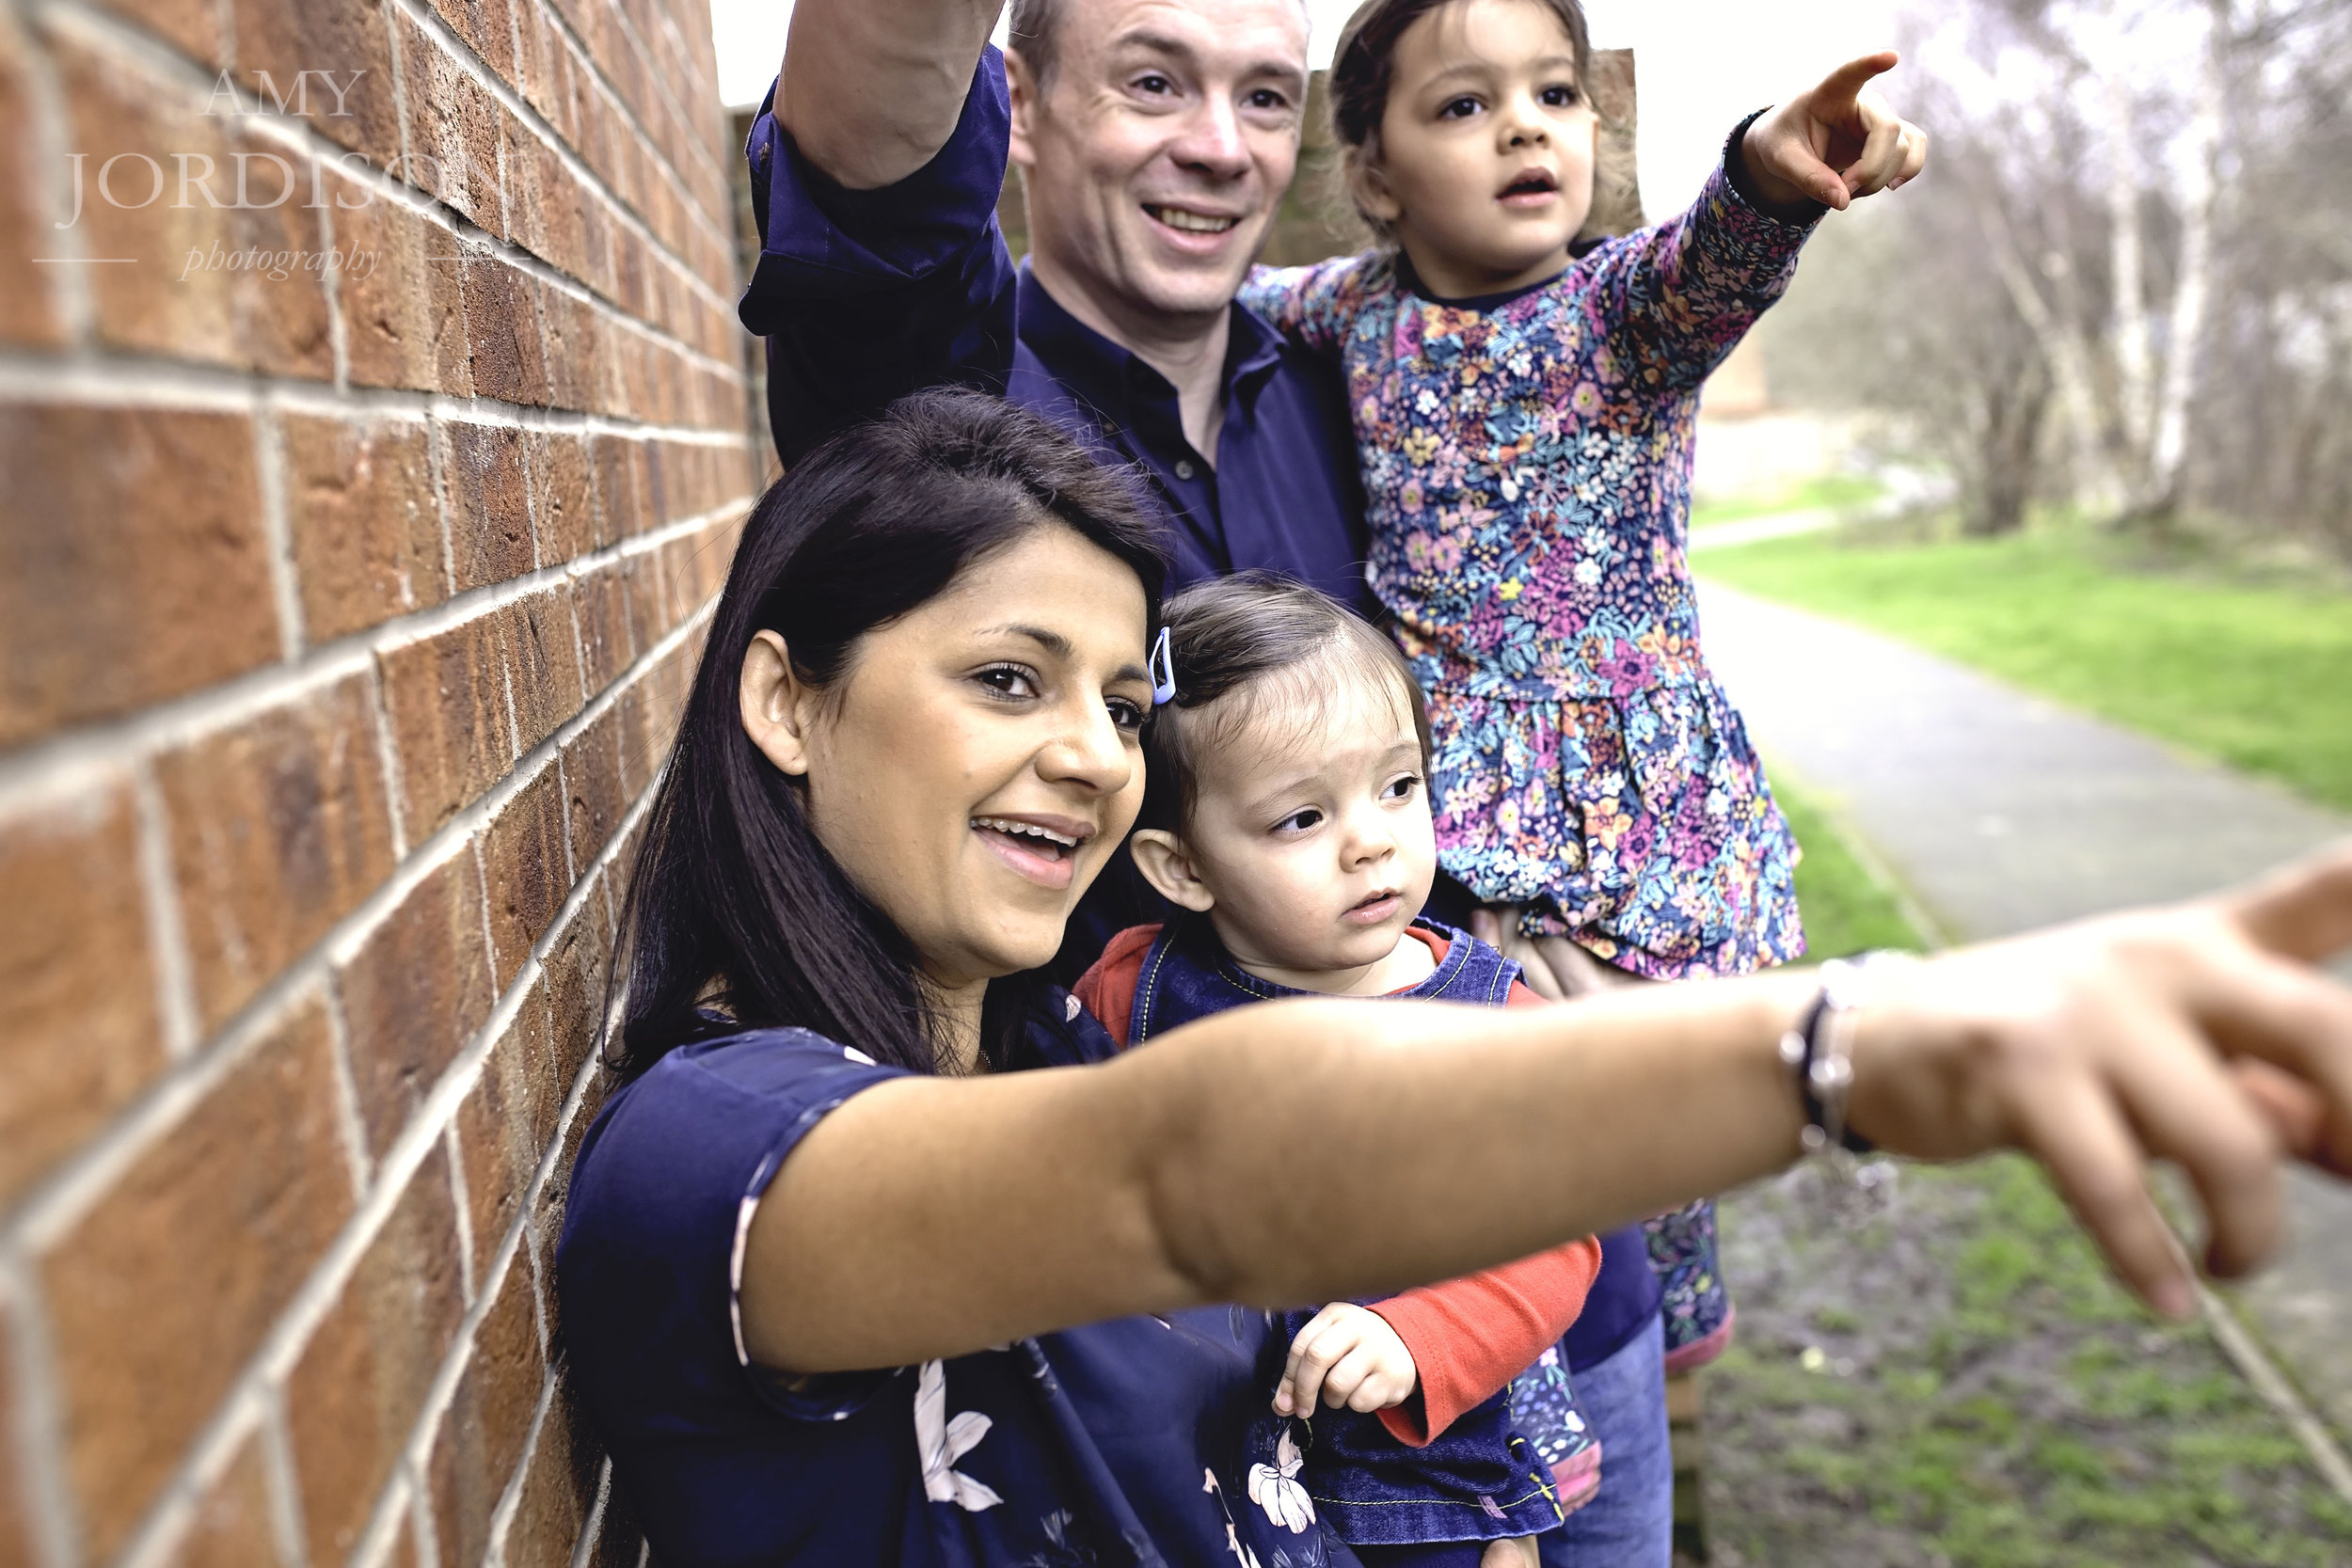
point(1162, 667)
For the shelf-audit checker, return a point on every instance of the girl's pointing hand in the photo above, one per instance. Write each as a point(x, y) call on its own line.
point(1834, 142)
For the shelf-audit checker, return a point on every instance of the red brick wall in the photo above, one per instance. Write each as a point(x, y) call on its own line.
point(344, 616)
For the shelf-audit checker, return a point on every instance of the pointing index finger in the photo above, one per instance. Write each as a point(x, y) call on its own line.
point(1844, 84)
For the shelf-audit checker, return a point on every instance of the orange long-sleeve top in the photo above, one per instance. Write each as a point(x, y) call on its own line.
point(1469, 1337)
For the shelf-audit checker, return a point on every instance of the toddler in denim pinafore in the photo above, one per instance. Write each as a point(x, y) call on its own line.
point(1286, 818)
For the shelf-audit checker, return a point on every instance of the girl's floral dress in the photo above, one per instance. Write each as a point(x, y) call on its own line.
point(1527, 473)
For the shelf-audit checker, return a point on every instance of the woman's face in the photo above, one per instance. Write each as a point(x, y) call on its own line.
point(979, 758)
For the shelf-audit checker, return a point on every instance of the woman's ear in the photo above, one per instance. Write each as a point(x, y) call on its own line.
point(1160, 856)
point(777, 705)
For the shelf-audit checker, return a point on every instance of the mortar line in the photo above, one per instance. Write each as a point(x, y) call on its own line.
point(382, 1531)
point(167, 928)
point(269, 464)
point(285, 1491)
point(593, 1525)
point(347, 1119)
point(129, 43)
point(67, 288)
point(113, 379)
point(57, 762)
point(166, 1523)
point(462, 1195)
point(70, 1190)
point(299, 1319)
point(332, 284)
point(46, 1493)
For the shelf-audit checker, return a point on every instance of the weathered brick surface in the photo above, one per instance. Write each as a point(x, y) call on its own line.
point(447, 700)
point(483, 1433)
point(96, 617)
point(77, 991)
point(232, 1527)
point(365, 523)
point(357, 1392)
point(526, 867)
point(413, 993)
point(162, 1293)
point(296, 574)
point(184, 293)
point(280, 826)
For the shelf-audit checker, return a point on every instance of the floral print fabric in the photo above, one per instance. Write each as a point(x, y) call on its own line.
point(1527, 470)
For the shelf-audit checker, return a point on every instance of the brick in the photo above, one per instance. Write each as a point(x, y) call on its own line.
point(620, 465)
point(506, 1124)
point(592, 783)
point(543, 657)
point(283, 47)
point(488, 1419)
point(484, 474)
point(543, 66)
point(108, 515)
point(189, 293)
point(404, 311)
point(192, 26)
point(524, 863)
point(446, 698)
point(452, 129)
point(649, 724)
point(607, 636)
point(502, 328)
point(279, 827)
point(366, 526)
point(488, 28)
point(16, 1530)
point(413, 993)
point(352, 1399)
point(231, 1526)
point(80, 1035)
point(28, 311)
point(570, 328)
point(563, 506)
point(558, 1487)
point(577, 965)
point(520, 151)
point(165, 1291)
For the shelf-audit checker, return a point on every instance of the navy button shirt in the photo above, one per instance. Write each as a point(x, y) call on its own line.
point(866, 296)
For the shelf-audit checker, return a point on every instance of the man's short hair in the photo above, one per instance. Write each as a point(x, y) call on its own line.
point(1031, 35)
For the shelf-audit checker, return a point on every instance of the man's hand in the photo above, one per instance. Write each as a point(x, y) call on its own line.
point(1346, 1356)
point(1836, 142)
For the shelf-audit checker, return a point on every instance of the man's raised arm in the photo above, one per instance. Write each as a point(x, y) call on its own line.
point(872, 88)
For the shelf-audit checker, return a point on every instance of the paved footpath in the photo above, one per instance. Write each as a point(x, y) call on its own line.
point(1999, 811)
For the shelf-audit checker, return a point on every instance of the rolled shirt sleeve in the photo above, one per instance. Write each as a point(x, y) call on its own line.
point(866, 296)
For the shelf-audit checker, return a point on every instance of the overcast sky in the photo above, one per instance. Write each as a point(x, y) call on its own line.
point(1701, 64)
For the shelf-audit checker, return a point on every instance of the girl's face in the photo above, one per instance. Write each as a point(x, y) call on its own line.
point(1484, 164)
point(981, 757)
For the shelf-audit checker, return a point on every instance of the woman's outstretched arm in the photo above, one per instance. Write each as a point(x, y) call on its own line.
point(1254, 1156)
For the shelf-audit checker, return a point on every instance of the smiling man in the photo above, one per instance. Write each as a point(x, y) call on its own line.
point(1157, 137)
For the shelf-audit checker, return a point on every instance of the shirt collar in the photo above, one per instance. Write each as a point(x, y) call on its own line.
point(1116, 380)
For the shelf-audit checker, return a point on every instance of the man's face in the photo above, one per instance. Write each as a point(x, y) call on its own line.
point(1157, 152)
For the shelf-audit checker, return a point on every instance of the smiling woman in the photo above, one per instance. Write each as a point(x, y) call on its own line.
point(875, 1256)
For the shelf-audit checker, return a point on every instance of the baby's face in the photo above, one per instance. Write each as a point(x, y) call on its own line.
point(1312, 833)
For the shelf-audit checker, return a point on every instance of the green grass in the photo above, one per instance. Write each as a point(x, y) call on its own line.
point(1986, 1396)
point(1846, 908)
point(2259, 676)
point(1827, 490)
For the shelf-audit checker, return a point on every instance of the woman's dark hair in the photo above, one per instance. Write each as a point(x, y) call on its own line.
point(1264, 643)
point(736, 916)
point(1363, 63)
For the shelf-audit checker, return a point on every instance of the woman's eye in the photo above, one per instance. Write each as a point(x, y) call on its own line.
point(1128, 716)
point(1298, 821)
point(1009, 680)
point(1459, 108)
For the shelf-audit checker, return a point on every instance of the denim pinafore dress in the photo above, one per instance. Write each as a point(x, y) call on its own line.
point(1490, 1475)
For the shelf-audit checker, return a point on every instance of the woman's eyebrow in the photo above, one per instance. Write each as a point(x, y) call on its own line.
point(1061, 647)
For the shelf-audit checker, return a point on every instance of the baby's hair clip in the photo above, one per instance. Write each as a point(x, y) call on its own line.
point(1161, 666)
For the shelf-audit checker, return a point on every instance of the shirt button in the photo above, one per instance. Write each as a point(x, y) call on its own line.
point(1183, 468)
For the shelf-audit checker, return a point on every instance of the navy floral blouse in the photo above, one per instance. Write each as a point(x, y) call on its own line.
point(1131, 1442)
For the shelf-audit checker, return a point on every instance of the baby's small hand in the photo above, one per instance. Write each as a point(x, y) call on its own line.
point(1347, 1356)
point(1512, 1551)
